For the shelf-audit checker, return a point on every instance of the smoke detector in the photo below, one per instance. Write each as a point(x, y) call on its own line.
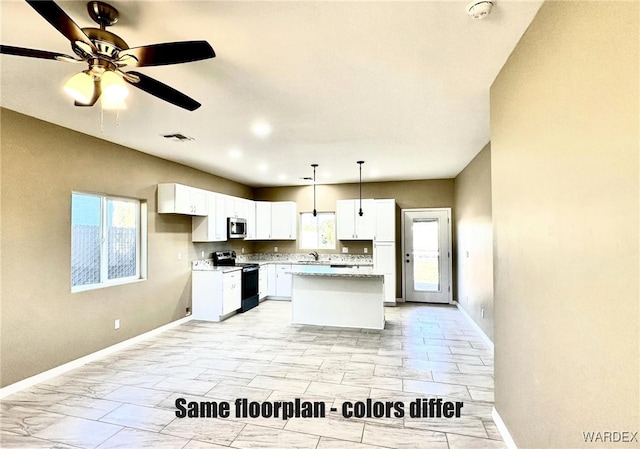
point(479, 9)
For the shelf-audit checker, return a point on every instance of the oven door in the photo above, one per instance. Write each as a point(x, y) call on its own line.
point(250, 279)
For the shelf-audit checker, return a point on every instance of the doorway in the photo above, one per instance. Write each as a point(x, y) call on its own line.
point(426, 251)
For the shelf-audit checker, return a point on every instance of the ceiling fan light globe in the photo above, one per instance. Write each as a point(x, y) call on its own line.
point(113, 87)
point(80, 87)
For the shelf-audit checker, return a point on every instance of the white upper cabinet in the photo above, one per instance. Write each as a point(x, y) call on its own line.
point(284, 223)
point(251, 220)
point(236, 207)
point(180, 199)
point(352, 226)
point(385, 221)
point(213, 226)
point(263, 220)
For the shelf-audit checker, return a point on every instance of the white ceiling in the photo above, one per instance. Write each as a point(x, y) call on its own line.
point(403, 86)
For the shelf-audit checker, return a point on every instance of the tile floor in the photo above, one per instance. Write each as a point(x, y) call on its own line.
point(127, 400)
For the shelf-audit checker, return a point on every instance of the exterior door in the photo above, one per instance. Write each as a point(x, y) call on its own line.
point(426, 252)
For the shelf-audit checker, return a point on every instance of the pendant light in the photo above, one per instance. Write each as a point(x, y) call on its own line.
point(360, 211)
point(314, 189)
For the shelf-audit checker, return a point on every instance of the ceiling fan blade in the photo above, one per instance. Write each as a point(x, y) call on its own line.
point(169, 53)
point(32, 53)
point(97, 91)
point(53, 14)
point(164, 92)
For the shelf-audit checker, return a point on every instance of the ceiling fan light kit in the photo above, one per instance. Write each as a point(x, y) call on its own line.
point(107, 54)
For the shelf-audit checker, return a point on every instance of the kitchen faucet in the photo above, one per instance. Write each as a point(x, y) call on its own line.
point(315, 255)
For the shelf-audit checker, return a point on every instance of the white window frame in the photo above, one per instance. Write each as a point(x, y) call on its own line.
point(141, 243)
point(316, 247)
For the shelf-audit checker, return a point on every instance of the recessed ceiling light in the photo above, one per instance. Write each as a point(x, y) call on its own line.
point(282, 177)
point(235, 153)
point(261, 129)
point(374, 172)
point(326, 175)
point(263, 167)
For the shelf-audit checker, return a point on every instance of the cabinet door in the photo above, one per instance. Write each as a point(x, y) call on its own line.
point(198, 198)
point(385, 220)
point(242, 207)
point(251, 220)
point(182, 199)
point(283, 280)
point(365, 224)
point(384, 261)
point(262, 282)
point(220, 218)
point(271, 279)
point(345, 220)
point(231, 291)
point(282, 220)
point(263, 220)
point(231, 206)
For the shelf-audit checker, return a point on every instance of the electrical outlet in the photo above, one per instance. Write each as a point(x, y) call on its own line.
point(116, 324)
point(202, 254)
point(187, 311)
point(345, 250)
point(179, 255)
point(366, 250)
point(482, 312)
point(242, 250)
point(275, 249)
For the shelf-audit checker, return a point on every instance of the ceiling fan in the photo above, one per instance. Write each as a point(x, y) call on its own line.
point(107, 54)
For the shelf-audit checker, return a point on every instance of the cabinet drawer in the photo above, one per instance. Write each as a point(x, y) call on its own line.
point(231, 278)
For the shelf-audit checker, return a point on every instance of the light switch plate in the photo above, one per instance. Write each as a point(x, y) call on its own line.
point(345, 250)
point(116, 324)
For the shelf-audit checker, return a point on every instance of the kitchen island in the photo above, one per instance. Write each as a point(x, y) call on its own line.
point(339, 297)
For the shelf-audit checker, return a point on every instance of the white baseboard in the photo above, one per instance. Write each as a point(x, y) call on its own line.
point(486, 339)
point(58, 370)
point(502, 428)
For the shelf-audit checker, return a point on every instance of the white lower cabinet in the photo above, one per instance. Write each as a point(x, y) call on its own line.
point(263, 281)
point(215, 294)
point(279, 281)
point(384, 261)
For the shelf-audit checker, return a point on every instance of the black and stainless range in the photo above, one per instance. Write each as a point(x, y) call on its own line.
point(250, 277)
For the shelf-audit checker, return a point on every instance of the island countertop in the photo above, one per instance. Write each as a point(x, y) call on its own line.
point(324, 270)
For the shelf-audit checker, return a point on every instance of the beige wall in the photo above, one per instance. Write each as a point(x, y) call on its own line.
point(408, 195)
point(474, 241)
point(43, 324)
point(564, 166)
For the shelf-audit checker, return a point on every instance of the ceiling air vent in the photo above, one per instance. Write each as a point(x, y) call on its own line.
point(177, 137)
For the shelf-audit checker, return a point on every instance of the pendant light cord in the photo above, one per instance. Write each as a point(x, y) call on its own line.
point(360, 211)
point(315, 213)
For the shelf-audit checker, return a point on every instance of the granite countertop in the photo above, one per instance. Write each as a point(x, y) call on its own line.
point(207, 265)
point(306, 259)
point(315, 270)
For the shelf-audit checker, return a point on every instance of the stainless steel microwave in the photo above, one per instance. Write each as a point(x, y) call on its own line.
point(236, 228)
